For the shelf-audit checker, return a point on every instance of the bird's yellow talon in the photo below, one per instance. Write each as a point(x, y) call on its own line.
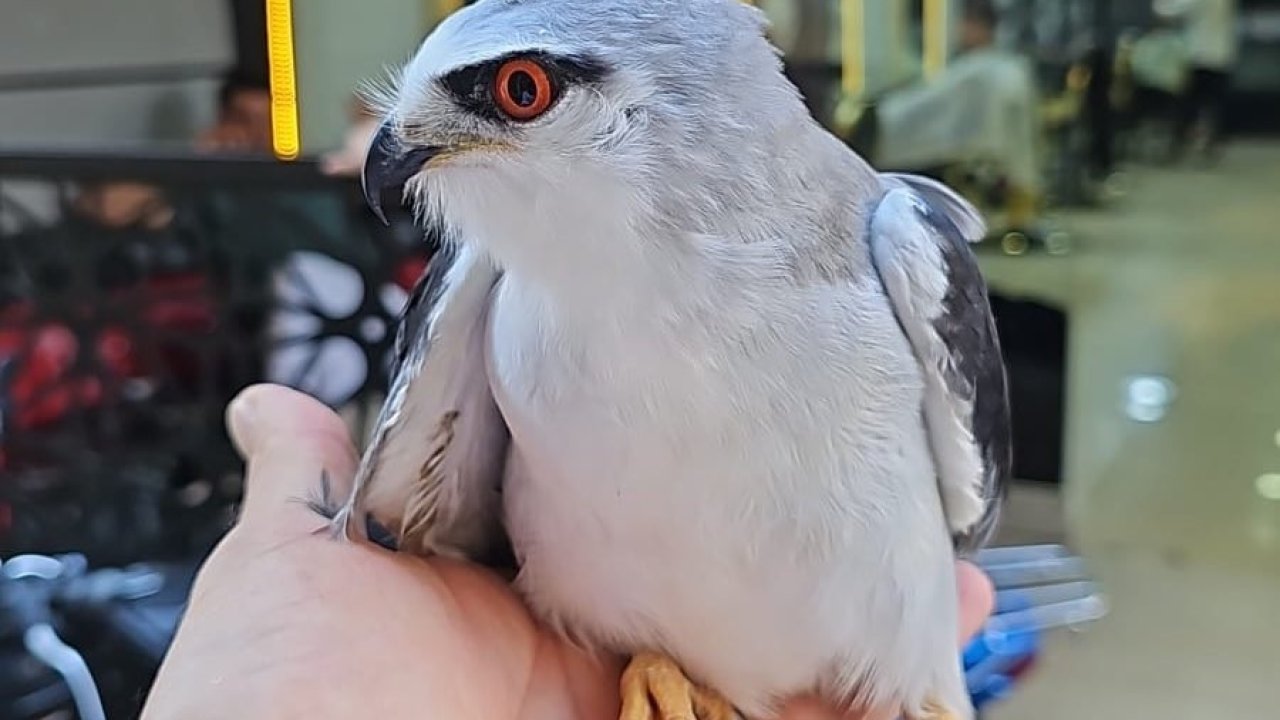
point(654, 688)
point(936, 711)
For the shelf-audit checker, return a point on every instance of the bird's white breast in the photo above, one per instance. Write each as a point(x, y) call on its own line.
point(748, 490)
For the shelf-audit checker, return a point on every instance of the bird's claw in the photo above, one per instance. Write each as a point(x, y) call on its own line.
point(323, 504)
point(339, 518)
point(936, 711)
point(339, 527)
point(655, 688)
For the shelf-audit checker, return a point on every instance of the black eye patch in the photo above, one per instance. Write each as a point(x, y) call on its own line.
point(472, 86)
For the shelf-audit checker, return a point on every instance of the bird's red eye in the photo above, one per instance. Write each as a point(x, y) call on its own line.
point(523, 89)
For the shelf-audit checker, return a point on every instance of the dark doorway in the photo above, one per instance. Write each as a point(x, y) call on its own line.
point(1034, 340)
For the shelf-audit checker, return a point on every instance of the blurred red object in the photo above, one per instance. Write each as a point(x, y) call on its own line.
point(51, 376)
point(408, 272)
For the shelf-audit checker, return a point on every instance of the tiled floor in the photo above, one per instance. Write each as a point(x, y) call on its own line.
point(1181, 279)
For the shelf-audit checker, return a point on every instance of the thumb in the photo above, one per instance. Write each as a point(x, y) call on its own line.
point(977, 599)
point(290, 442)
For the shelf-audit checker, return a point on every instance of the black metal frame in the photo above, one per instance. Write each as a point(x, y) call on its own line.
point(171, 168)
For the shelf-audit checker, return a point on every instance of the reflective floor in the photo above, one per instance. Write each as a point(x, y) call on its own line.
point(1181, 279)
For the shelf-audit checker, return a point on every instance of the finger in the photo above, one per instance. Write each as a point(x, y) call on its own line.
point(290, 441)
point(977, 599)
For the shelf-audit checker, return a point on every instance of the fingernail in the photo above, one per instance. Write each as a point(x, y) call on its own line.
point(240, 422)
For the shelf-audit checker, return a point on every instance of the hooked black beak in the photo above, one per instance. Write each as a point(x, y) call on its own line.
point(389, 165)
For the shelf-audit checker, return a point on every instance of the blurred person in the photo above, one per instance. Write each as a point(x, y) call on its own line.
point(243, 126)
point(978, 26)
point(1158, 65)
point(244, 117)
point(984, 108)
point(1213, 47)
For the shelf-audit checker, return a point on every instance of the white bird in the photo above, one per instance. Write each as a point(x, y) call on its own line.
point(734, 399)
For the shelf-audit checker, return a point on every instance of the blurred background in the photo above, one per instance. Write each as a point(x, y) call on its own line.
point(179, 217)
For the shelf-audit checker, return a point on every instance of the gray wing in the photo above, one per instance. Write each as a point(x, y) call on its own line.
point(919, 242)
point(432, 471)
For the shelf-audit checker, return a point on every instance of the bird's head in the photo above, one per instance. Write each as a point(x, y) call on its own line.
point(517, 114)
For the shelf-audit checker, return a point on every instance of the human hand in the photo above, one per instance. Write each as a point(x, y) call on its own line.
point(284, 622)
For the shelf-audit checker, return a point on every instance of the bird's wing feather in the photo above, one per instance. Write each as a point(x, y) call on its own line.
point(432, 472)
point(919, 235)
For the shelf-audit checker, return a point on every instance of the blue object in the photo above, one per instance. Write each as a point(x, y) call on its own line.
point(1039, 588)
point(1000, 649)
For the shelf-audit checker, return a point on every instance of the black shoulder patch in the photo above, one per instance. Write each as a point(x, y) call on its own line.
point(977, 371)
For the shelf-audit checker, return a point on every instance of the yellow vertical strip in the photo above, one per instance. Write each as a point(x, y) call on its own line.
point(937, 36)
point(853, 74)
point(286, 137)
